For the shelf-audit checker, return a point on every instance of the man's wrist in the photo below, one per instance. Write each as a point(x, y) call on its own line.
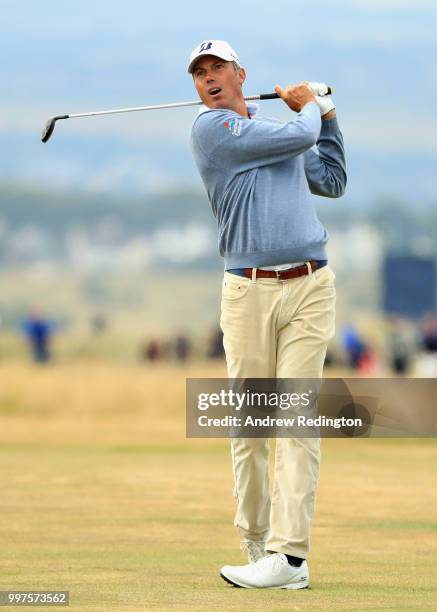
point(308, 102)
point(330, 115)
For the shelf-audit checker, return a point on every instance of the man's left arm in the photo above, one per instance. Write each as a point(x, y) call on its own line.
point(325, 164)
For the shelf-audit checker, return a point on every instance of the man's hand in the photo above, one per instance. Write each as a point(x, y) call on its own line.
point(296, 96)
point(327, 106)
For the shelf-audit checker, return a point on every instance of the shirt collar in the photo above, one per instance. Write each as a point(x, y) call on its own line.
point(252, 109)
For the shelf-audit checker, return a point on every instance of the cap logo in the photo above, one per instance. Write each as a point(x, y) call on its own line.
point(205, 46)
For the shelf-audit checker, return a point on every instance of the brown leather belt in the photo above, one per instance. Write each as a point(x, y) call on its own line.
point(283, 274)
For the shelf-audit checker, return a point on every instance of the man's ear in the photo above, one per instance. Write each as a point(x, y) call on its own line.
point(242, 76)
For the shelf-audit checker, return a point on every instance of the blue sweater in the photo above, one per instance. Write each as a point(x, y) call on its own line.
point(259, 175)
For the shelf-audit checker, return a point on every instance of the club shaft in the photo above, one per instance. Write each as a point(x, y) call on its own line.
point(134, 109)
point(151, 107)
point(317, 88)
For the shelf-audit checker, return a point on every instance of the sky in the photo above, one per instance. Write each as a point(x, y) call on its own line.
point(61, 57)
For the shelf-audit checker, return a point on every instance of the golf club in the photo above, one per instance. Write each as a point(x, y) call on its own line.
point(318, 89)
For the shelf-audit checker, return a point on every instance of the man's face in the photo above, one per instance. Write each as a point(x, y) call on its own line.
point(217, 82)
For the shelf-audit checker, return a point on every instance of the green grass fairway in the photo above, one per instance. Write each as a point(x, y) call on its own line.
point(102, 495)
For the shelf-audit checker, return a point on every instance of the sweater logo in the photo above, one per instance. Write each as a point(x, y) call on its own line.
point(234, 126)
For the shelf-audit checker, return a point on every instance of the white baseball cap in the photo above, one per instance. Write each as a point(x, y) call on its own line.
point(219, 48)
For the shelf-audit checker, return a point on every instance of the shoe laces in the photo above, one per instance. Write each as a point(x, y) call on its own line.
point(272, 563)
point(255, 549)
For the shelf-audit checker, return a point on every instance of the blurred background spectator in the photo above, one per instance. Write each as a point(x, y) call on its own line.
point(38, 331)
point(399, 345)
point(426, 363)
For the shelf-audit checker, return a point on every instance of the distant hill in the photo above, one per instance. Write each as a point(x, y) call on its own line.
point(57, 210)
point(172, 229)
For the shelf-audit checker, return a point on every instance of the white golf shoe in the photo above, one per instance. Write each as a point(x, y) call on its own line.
point(270, 572)
point(255, 549)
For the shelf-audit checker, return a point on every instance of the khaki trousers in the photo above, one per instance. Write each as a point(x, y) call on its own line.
point(277, 329)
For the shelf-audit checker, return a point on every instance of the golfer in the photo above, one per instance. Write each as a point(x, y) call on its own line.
point(278, 294)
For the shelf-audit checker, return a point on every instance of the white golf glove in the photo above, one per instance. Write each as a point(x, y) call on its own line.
point(325, 104)
point(318, 89)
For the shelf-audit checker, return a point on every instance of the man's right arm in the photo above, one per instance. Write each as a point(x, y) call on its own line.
point(232, 141)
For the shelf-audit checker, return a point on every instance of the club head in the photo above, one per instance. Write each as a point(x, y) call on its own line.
point(50, 126)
